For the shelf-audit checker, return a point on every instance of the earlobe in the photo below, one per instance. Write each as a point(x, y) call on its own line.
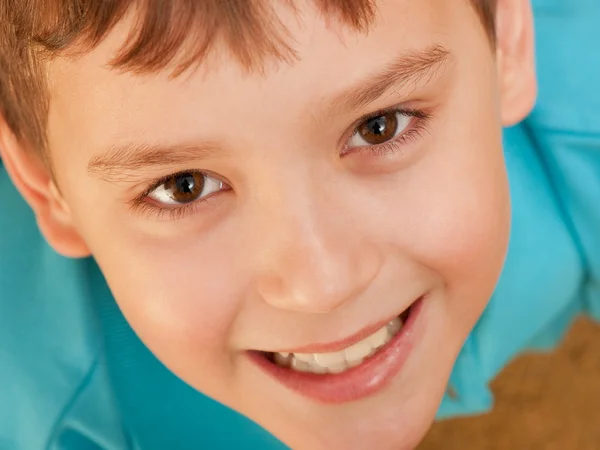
point(33, 180)
point(515, 59)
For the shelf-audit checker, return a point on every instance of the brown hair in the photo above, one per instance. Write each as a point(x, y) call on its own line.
point(33, 30)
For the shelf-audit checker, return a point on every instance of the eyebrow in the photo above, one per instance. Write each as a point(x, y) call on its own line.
point(118, 162)
point(410, 67)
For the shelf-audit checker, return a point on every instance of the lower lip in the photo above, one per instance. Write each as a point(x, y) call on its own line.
point(358, 382)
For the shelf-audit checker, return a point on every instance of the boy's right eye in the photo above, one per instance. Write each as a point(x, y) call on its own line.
point(185, 187)
point(178, 195)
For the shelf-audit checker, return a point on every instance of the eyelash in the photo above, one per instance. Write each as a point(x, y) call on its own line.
point(142, 206)
point(415, 130)
point(157, 212)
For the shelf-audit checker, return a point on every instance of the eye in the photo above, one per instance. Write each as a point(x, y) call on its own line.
point(380, 129)
point(183, 188)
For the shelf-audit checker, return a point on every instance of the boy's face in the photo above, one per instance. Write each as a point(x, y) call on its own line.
point(310, 223)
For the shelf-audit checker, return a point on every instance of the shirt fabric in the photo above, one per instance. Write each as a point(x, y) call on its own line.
point(74, 376)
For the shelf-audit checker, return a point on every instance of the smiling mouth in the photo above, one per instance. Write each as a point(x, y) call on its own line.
point(344, 359)
point(349, 369)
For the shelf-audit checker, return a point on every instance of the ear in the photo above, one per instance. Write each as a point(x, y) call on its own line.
point(33, 179)
point(516, 59)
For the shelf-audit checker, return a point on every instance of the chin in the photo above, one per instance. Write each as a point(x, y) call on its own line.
point(404, 432)
point(397, 418)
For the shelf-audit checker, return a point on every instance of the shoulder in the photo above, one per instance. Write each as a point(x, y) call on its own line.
point(565, 125)
point(552, 271)
point(568, 67)
point(49, 352)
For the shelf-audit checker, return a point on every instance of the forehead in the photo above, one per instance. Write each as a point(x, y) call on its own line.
point(92, 102)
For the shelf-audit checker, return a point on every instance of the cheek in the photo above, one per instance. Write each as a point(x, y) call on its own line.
point(179, 299)
point(456, 219)
point(463, 234)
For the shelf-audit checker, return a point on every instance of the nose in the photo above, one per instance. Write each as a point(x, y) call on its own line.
point(312, 256)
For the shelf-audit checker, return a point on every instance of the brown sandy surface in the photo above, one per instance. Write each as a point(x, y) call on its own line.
point(543, 402)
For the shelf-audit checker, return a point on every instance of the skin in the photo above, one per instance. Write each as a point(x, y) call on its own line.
point(309, 245)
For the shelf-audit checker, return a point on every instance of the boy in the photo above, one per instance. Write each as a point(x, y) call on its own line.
point(301, 209)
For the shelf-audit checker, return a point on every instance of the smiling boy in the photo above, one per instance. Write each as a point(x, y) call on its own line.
point(301, 209)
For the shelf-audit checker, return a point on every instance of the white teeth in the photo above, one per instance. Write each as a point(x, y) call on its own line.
point(283, 359)
point(359, 350)
point(380, 337)
point(306, 357)
point(330, 359)
point(355, 362)
point(300, 366)
point(394, 326)
point(337, 362)
point(338, 368)
point(315, 368)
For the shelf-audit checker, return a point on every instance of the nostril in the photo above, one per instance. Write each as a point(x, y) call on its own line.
point(303, 295)
point(270, 288)
point(316, 279)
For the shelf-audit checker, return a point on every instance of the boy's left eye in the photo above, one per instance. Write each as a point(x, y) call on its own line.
point(380, 129)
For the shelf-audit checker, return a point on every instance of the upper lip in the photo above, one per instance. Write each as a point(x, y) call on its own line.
point(344, 343)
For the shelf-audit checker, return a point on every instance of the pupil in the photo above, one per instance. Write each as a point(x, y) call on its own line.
point(377, 125)
point(186, 187)
point(185, 184)
point(379, 129)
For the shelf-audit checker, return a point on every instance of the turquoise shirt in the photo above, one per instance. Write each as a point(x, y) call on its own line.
point(73, 375)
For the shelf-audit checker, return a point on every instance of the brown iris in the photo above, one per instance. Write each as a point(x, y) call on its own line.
point(185, 187)
point(379, 129)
